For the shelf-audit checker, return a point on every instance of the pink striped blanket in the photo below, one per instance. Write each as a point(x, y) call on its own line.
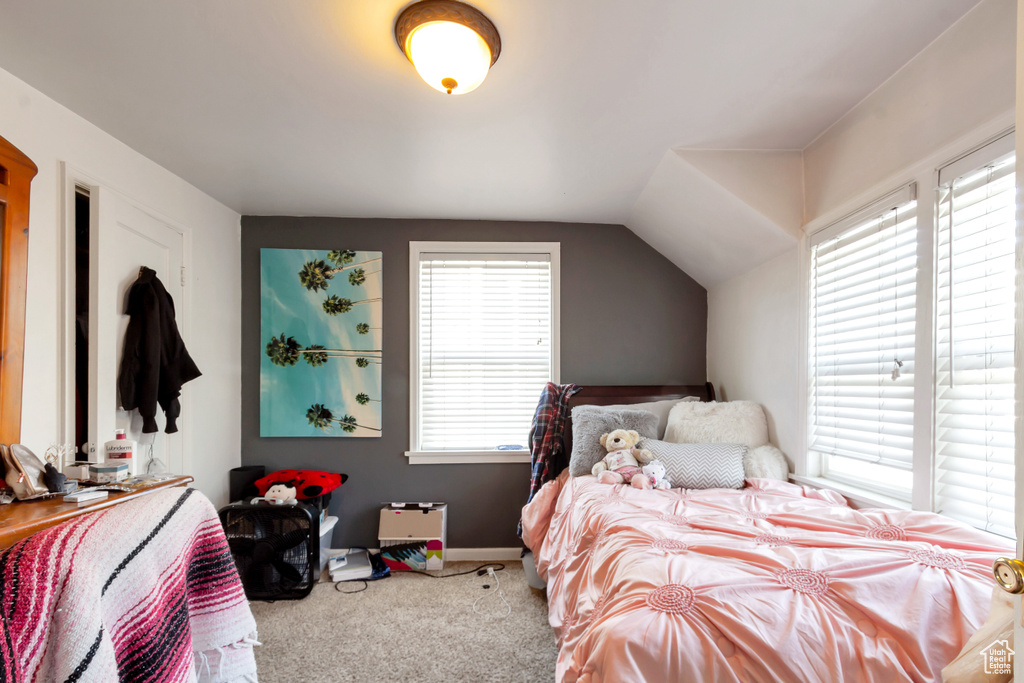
point(143, 591)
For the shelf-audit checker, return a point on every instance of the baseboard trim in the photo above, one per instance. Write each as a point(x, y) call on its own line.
point(482, 554)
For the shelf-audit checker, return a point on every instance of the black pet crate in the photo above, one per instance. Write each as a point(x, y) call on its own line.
point(276, 548)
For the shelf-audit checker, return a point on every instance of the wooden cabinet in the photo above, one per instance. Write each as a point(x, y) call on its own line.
point(23, 518)
point(16, 173)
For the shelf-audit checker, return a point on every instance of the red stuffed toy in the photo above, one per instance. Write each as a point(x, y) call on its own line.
point(306, 483)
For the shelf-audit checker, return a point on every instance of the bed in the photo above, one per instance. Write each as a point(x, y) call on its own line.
point(143, 591)
point(769, 582)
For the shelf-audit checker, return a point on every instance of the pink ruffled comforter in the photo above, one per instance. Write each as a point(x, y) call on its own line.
point(773, 582)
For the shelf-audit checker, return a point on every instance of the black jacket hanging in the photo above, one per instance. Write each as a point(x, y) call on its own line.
point(155, 363)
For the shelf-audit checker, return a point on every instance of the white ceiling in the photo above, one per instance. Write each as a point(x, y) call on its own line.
point(308, 107)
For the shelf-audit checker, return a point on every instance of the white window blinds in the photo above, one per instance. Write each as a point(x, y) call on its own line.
point(862, 334)
point(974, 377)
point(485, 348)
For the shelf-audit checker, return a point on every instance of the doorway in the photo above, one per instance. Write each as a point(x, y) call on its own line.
point(107, 239)
point(81, 379)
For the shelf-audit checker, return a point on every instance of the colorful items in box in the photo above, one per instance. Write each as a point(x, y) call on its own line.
point(412, 535)
point(419, 555)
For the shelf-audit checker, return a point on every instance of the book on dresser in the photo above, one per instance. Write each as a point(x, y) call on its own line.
point(85, 496)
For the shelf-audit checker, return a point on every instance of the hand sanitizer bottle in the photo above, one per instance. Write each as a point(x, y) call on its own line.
point(122, 450)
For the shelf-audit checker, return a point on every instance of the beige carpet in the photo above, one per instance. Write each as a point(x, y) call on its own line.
point(409, 628)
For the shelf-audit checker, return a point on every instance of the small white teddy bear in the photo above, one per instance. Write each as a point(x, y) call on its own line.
point(657, 475)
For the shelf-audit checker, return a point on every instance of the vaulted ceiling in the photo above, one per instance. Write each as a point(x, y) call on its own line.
point(309, 107)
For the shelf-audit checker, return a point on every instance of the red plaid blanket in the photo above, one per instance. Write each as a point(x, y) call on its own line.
point(546, 435)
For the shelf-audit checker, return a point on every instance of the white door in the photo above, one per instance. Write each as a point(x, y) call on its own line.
point(124, 238)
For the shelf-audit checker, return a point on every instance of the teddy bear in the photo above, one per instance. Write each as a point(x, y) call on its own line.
point(623, 461)
point(281, 492)
point(657, 474)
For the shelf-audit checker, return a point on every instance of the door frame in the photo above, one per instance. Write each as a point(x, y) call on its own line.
point(72, 178)
point(1018, 346)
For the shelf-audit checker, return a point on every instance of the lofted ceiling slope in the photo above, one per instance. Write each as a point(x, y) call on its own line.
point(309, 108)
point(718, 214)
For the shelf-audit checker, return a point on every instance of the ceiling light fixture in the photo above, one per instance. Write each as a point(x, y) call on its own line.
point(451, 44)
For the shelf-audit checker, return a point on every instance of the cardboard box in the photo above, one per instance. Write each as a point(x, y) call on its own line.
point(79, 470)
point(108, 472)
point(413, 535)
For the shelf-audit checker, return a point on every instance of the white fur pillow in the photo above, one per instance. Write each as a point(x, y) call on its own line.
point(731, 422)
point(765, 462)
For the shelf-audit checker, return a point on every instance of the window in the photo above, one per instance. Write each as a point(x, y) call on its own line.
point(863, 279)
point(484, 344)
point(974, 367)
point(941, 436)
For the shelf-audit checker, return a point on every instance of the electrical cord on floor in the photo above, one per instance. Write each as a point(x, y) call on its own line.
point(480, 571)
point(508, 607)
point(337, 586)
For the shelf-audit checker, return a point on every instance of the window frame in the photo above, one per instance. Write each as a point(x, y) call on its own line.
point(416, 248)
point(899, 196)
point(925, 172)
point(972, 161)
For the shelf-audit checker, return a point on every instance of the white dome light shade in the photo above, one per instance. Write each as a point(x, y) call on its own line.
point(451, 44)
point(450, 57)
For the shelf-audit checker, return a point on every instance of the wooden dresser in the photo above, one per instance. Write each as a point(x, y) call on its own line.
point(24, 518)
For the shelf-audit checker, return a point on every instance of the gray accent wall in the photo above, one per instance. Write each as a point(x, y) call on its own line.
point(628, 316)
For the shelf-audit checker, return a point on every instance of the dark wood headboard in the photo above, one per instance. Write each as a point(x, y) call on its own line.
point(609, 395)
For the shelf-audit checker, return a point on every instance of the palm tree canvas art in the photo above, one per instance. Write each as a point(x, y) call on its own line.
point(321, 348)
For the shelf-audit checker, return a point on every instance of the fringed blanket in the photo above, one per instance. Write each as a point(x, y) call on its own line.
point(143, 591)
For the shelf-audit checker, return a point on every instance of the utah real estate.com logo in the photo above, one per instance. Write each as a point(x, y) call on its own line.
point(998, 658)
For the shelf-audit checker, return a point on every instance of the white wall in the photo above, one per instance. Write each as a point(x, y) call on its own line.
point(964, 79)
point(50, 134)
point(717, 214)
point(962, 82)
point(769, 181)
point(753, 336)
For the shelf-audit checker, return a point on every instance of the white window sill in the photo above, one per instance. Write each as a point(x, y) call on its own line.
point(858, 497)
point(466, 457)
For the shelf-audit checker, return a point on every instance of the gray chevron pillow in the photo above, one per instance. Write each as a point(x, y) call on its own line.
point(700, 465)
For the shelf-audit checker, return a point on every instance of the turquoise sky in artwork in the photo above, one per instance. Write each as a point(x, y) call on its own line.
point(286, 393)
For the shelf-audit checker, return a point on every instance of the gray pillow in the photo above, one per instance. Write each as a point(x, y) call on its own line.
point(699, 465)
point(590, 422)
point(659, 408)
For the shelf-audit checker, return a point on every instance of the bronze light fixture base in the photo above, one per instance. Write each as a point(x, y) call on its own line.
point(426, 11)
